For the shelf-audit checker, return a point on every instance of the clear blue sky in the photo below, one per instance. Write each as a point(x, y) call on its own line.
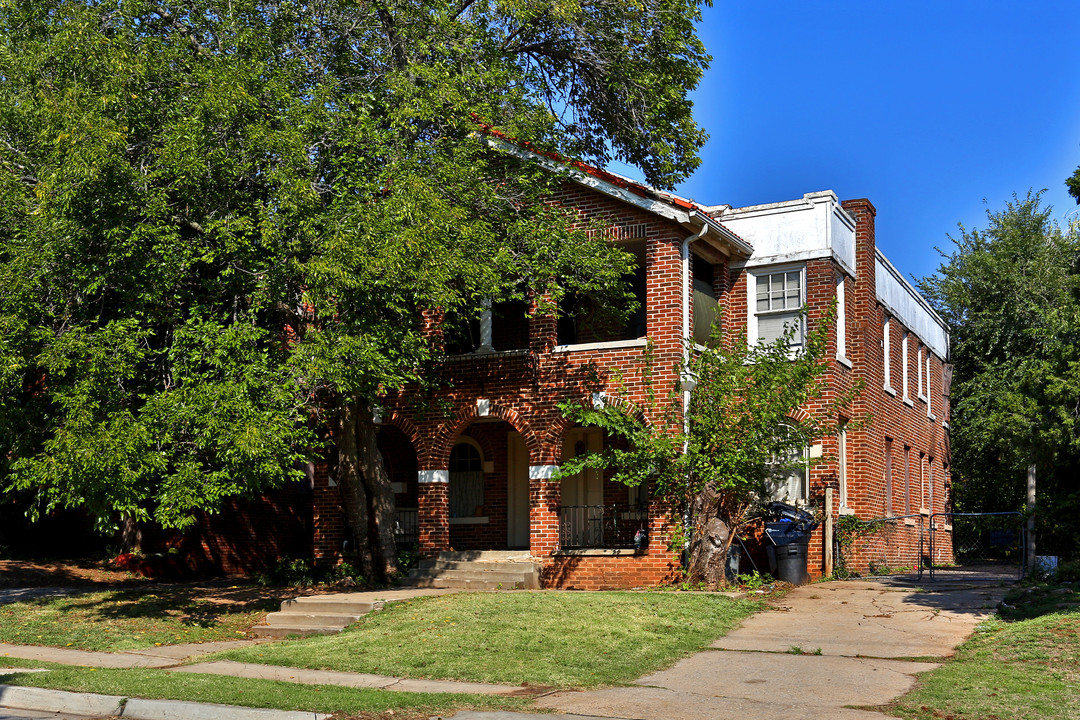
point(925, 108)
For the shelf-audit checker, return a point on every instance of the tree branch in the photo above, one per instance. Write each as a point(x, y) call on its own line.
point(184, 30)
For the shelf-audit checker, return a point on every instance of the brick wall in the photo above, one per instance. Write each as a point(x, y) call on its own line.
point(522, 390)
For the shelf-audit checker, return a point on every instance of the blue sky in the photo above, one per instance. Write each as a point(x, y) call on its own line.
point(925, 108)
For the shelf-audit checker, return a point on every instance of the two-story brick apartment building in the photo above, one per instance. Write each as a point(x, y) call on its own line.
point(479, 474)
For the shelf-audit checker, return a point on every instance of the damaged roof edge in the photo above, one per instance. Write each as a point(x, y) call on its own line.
point(671, 207)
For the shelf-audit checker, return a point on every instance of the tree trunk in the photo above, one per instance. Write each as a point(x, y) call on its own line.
point(351, 484)
point(380, 494)
point(130, 536)
point(1029, 549)
point(709, 542)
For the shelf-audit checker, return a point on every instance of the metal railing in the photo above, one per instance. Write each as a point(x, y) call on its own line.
point(989, 542)
point(602, 527)
point(406, 527)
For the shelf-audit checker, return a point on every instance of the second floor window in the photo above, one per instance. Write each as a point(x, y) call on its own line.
point(777, 299)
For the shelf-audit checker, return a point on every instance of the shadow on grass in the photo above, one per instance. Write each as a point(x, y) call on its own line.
point(1027, 602)
point(189, 606)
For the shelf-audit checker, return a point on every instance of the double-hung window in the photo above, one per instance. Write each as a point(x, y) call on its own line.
point(776, 303)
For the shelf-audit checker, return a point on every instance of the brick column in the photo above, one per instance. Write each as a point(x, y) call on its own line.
point(544, 498)
point(543, 328)
point(328, 515)
point(434, 510)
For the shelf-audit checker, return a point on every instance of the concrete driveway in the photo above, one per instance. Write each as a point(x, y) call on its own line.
point(861, 642)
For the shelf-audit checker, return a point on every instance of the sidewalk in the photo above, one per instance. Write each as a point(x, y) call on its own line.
point(862, 642)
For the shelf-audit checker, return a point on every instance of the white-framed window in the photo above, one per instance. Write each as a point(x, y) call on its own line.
point(841, 321)
point(841, 462)
point(906, 362)
point(919, 372)
point(776, 297)
point(929, 405)
point(887, 346)
point(787, 483)
point(888, 477)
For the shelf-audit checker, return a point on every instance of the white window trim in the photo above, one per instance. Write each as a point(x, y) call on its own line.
point(929, 410)
point(751, 299)
point(919, 369)
point(841, 323)
point(904, 357)
point(842, 463)
point(886, 344)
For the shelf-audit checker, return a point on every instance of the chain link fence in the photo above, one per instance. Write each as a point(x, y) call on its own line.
point(976, 543)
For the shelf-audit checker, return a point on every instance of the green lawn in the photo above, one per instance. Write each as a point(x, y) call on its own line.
point(136, 618)
point(1023, 665)
point(579, 639)
point(248, 692)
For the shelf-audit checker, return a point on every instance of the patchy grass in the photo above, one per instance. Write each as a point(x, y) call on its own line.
point(137, 618)
point(162, 684)
point(578, 639)
point(1023, 664)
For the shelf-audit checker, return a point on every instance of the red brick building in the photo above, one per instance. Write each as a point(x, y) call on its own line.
point(477, 475)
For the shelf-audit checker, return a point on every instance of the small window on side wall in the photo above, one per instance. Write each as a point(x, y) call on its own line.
point(776, 303)
point(705, 305)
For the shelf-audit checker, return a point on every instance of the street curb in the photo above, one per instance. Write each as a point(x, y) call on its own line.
point(29, 698)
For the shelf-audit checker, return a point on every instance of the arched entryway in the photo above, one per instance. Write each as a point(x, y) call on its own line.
point(488, 487)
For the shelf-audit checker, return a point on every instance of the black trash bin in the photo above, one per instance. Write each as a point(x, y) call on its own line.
point(791, 563)
point(789, 541)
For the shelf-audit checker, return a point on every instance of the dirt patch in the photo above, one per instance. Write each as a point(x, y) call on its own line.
point(92, 575)
point(60, 573)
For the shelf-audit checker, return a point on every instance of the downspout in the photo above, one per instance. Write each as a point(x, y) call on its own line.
point(686, 380)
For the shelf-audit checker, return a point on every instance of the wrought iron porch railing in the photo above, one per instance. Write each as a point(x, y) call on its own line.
point(603, 527)
point(407, 528)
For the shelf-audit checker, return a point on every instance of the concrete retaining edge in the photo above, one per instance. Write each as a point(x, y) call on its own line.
point(41, 699)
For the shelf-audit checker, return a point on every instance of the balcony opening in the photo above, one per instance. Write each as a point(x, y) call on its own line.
point(504, 326)
point(583, 319)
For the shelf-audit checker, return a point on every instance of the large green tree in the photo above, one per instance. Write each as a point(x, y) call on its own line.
point(1011, 296)
point(221, 221)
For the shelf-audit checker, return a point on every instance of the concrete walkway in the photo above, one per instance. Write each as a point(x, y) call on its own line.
point(820, 650)
point(873, 636)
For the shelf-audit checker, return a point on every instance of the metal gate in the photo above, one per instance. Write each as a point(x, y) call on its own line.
point(976, 545)
point(892, 545)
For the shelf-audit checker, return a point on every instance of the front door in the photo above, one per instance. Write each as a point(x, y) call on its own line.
point(517, 492)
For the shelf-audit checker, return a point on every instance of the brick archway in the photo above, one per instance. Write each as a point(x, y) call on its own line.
point(437, 449)
point(558, 427)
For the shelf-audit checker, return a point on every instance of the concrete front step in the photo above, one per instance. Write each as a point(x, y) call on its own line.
point(325, 614)
point(478, 566)
point(495, 576)
point(308, 619)
point(282, 631)
point(477, 570)
point(463, 584)
point(485, 555)
point(329, 604)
